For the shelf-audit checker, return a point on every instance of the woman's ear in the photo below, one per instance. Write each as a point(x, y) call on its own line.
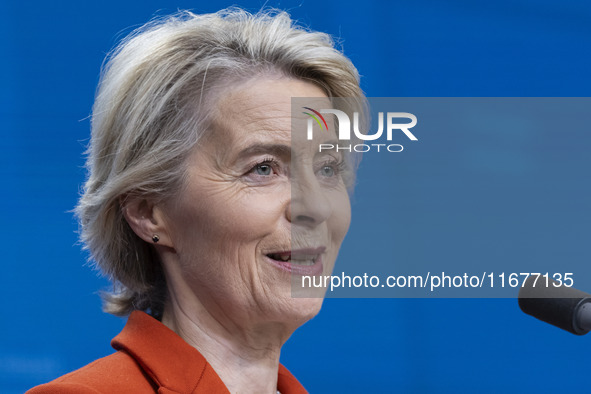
point(146, 220)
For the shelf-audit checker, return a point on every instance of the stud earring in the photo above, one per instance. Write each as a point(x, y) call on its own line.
point(155, 238)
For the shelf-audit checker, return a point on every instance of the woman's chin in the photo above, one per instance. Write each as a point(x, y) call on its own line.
point(300, 310)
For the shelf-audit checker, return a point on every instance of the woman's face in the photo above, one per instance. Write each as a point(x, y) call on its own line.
point(253, 199)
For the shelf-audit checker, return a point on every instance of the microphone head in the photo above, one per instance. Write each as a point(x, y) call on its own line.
point(556, 304)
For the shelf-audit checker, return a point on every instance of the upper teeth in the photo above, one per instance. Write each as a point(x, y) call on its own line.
point(280, 256)
point(304, 262)
point(296, 259)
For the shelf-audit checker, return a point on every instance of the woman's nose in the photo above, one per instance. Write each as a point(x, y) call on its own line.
point(309, 205)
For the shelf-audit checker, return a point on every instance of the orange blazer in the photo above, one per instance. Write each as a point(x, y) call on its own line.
point(151, 358)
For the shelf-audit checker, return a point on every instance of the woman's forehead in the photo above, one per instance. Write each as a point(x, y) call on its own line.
point(266, 98)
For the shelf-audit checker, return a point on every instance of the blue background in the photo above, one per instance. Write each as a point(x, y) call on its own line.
point(52, 321)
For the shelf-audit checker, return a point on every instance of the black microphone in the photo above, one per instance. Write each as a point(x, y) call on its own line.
point(561, 306)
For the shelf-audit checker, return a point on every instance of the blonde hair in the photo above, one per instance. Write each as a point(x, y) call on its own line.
point(154, 101)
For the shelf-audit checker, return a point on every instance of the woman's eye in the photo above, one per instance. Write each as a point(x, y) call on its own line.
point(331, 169)
point(263, 169)
point(327, 171)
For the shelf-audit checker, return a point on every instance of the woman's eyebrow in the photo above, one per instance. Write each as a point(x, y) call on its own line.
point(279, 150)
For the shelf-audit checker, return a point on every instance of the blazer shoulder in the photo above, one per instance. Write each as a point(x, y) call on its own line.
point(117, 373)
point(62, 388)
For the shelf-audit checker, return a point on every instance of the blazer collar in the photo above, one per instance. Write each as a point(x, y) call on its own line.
point(173, 364)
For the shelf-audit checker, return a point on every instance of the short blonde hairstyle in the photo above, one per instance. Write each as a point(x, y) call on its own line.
point(154, 102)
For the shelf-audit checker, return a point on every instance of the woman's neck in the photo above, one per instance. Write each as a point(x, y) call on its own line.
point(245, 357)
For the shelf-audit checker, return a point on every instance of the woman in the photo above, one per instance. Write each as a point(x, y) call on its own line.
point(199, 206)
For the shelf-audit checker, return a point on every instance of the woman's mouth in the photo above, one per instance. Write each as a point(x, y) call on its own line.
point(301, 261)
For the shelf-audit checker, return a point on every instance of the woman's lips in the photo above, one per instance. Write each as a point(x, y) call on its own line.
point(305, 261)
